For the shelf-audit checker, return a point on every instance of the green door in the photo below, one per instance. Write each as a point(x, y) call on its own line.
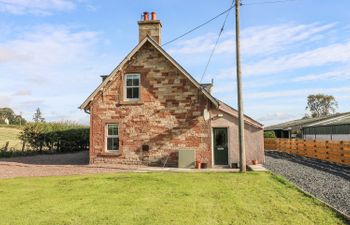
point(220, 146)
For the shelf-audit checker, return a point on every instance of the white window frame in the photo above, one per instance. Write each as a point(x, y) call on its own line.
point(126, 87)
point(111, 136)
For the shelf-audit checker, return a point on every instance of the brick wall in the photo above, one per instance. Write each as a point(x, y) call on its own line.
point(167, 118)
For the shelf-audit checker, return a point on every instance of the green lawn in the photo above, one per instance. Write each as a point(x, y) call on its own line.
point(159, 198)
point(11, 135)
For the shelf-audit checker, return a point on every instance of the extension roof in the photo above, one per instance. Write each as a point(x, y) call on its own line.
point(217, 103)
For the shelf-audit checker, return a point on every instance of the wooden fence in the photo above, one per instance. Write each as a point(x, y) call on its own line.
point(332, 151)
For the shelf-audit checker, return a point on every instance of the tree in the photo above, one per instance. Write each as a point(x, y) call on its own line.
point(269, 134)
point(320, 105)
point(38, 116)
point(9, 114)
point(6, 113)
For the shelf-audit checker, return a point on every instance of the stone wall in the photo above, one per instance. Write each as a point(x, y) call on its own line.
point(168, 117)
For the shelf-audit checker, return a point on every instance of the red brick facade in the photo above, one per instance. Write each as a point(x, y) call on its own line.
point(168, 117)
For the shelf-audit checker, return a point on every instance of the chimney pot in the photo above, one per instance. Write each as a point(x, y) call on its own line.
point(145, 16)
point(154, 15)
point(150, 26)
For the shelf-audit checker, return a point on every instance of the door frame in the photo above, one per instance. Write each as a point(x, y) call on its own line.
point(212, 146)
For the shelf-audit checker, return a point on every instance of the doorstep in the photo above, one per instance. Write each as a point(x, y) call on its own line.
point(257, 168)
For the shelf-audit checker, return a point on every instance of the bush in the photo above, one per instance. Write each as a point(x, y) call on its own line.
point(269, 134)
point(56, 137)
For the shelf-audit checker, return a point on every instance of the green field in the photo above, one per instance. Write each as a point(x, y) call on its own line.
point(160, 198)
point(11, 135)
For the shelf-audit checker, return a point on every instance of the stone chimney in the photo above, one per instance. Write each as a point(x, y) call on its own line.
point(151, 27)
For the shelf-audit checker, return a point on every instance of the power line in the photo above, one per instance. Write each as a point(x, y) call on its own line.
point(217, 41)
point(199, 26)
point(222, 13)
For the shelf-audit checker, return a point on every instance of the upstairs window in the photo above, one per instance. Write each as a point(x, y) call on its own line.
point(132, 86)
point(112, 137)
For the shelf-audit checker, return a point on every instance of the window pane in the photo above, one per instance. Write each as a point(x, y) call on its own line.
point(135, 92)
point(128, 82)
point(112, 129)
point(112, 144)
point(135, 82)
point(129, 93)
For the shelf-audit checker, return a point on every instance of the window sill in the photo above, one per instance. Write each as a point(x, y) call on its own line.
point(112, 154)
point(131, 102)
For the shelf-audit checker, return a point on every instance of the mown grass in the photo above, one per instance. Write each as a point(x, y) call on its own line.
point(160, 198)
point(11, 135)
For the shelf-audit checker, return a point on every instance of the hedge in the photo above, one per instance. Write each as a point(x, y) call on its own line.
point(56, 137)
point(269, 134)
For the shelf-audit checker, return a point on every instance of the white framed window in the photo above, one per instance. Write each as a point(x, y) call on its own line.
point(132, 86)
point(112, 137)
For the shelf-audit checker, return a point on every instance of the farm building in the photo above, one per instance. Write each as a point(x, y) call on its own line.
point(334, 127)
point(290, 129)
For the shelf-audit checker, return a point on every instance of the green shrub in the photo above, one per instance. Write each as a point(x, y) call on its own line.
point(269, 134)
point(56, 137)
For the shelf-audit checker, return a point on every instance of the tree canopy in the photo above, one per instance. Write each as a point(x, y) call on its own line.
point(37, 117)
point(319, 105)
point(8, 113)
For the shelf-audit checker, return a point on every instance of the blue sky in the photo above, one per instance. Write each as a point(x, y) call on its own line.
point(53, 51)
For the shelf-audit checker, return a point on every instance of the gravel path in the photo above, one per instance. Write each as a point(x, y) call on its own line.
point(329, 182)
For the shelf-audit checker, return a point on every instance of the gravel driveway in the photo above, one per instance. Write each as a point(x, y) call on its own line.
point(51, 165)
point(329, 182)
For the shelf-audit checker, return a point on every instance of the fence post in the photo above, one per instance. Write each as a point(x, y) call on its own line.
point(326, 156)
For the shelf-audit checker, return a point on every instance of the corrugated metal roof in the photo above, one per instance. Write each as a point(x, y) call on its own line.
point(337, 119)
point(340, 119)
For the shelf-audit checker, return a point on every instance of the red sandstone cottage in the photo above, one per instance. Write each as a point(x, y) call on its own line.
point(150, 108)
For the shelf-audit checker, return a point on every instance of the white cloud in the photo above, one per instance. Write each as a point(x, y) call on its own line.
point(47, 45)
point(22, 92)
point(297, 92)
point(270, 39)
point(277, 116)
point(255, 40)
point(339, 74)
point(335, 53)
point(43, 62)
point(41, 7)
point(5, 101)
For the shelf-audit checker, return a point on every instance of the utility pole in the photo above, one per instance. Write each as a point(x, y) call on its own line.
point(239, 95)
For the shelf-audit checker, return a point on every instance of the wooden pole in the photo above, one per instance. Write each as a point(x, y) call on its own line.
point(239, 94)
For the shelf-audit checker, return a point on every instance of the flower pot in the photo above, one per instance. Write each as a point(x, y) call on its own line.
point(255, 161)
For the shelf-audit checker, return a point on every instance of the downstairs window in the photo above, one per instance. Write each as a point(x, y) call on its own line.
point(112, 137)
